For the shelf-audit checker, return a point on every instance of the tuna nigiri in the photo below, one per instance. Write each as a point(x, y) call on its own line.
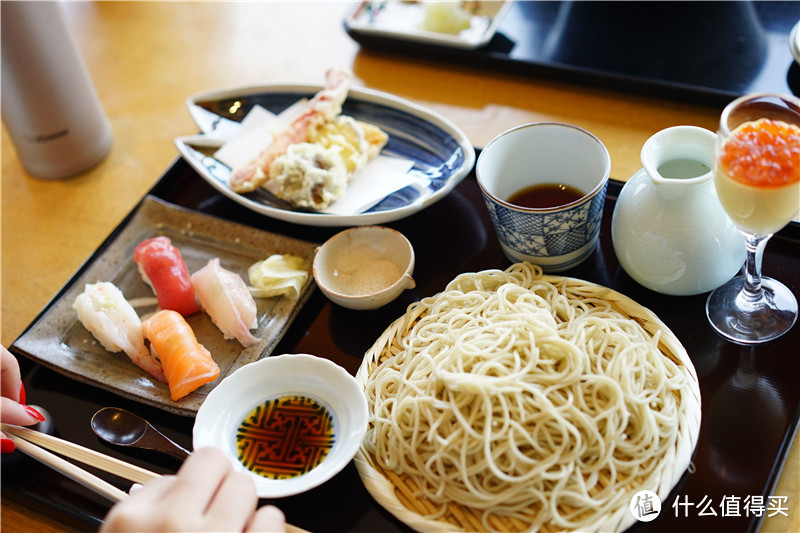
point(162, 267)
point(227, 300)
point(188, 365)
point(110, 318)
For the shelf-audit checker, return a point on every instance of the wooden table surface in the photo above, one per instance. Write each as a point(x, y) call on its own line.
point(146, 57)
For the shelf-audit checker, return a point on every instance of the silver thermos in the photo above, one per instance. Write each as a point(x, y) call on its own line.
point(49, 104)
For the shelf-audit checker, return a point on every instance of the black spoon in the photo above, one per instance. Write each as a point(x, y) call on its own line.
point(124, 428)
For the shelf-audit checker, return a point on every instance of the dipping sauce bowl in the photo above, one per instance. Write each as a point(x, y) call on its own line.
point(299, 407)
point(365, 267)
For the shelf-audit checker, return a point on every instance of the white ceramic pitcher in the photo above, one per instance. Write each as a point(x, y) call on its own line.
point(669, 231)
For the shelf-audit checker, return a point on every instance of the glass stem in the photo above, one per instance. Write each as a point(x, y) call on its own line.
point(752, 291)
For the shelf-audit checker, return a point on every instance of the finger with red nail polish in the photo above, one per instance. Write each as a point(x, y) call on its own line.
point(21, 415)
point(10, 377)
point(34, 413)
point(12, 400)
point(7, 446)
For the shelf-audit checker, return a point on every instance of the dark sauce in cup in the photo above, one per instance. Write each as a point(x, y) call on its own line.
point(285, 437)
point(545, 195)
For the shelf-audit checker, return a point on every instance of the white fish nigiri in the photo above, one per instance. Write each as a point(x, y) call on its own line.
point(227, 300)
point(112, 320)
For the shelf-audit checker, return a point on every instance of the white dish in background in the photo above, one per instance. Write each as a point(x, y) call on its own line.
point(794, 42)
point(403, 20)
point(441, 153)
point(332, 386)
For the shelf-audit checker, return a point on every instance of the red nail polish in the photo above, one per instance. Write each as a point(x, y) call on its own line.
point(22, 393)
point(7, 446)
point(34, 413)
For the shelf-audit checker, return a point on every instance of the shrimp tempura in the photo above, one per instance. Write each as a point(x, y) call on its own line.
point(324, 106)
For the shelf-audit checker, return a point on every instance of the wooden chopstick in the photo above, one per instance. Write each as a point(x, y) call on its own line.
point(90, 481)
point(106, 463)
point(33, 443)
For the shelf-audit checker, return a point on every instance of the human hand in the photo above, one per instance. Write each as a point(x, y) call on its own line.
point(206, 494)
point(12, 404)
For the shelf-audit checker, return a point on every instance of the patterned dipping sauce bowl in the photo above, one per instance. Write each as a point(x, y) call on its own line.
point(556, 237)
point(291, 421)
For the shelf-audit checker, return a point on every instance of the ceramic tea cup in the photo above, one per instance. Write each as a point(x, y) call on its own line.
point(545, 186)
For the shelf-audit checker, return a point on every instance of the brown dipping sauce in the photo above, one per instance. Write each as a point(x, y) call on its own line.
point(545, 195)
point(285, 437)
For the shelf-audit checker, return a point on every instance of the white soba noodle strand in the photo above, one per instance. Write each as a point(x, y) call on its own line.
point(513, 397)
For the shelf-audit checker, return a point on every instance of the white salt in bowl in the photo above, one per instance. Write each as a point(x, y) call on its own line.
point(364, 267)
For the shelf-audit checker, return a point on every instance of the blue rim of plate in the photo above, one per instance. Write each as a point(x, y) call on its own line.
point(441, 152)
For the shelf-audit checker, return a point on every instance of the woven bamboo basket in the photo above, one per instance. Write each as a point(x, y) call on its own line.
point(399, 494)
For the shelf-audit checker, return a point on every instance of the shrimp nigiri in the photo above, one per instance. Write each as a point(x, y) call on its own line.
point(162, 267)
point(324, 106)
point(112, 320)
point(188, 365)
point(227, 300)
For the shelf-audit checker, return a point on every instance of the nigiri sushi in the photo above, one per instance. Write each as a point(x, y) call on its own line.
point(112, 320)
point(227, 300)
point(188, 365)
point(163, 268)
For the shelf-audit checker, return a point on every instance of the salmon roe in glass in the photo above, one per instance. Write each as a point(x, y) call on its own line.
point(764, 153)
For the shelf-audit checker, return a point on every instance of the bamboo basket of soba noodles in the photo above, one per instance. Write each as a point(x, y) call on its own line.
point(516, 401)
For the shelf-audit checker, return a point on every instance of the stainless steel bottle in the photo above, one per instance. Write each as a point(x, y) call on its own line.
point(49, 104)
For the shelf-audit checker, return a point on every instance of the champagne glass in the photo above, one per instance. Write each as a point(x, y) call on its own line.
point(757, 177)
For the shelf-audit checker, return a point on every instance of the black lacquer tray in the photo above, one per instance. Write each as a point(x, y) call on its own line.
point(709, 52)
point(751, 395)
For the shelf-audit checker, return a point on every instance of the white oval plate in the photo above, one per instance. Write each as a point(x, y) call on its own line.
point(400, 20)
point(328, 383)
point(441, 153)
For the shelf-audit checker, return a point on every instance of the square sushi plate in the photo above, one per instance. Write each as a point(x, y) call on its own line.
point(59, 341)
point(429, 22)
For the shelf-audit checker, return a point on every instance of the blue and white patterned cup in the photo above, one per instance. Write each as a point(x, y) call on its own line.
point(556, 238)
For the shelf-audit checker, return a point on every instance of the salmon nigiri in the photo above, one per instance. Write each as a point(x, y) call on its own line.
point(162, 267)
point(187, 363)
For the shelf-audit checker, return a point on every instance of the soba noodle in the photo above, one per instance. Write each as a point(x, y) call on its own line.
point(513, 397)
